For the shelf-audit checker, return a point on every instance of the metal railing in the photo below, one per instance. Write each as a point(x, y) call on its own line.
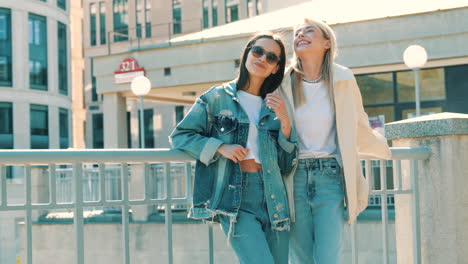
point(144, 35)
point(80, 175)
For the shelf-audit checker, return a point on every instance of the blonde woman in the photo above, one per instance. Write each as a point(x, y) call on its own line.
point(333, 129)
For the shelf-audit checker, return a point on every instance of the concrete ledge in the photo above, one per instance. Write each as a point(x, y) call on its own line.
point(427, 126)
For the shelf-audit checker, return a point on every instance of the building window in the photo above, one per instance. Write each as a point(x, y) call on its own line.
point(98, 130)
point(253, 7)
point(390, 96)
point(92, 23)
point(62, 58)
point(62, 4)
point(167, 71)
point(37, 52)
point(214, 12)
point(102, 22)
point(63, 128)
point(432, 85)
point(232, 10)
point(94, 95)
point(176, 17)
point(179, 113)
point(205, 6)
point(148, 18)
point(39, 122)
point(129, 130)
point(149, 130)
point(6, 125)
point(143, 18)
point(5, 48)
point(378, 88)
point(120, 20)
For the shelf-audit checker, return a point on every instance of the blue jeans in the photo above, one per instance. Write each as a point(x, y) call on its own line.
point(250, 234)
point(316, 236)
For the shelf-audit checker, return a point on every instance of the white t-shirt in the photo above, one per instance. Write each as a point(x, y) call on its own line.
point(251, 105)
point(315, 123)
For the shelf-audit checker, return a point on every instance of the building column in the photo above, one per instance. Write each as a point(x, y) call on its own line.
point(21, 125)
point(221, 12)
point(243, 13)
point(115, 126)
point(54, 135)
point(442, 181)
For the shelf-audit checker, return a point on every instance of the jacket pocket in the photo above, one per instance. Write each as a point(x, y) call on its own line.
point(225, 124)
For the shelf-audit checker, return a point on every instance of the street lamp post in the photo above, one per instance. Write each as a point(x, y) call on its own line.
point(140, 87)
point(415, 57)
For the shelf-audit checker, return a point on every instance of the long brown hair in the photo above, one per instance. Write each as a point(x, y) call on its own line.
point(327, 64)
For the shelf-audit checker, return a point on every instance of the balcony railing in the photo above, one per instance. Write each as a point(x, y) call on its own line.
point(85, 183)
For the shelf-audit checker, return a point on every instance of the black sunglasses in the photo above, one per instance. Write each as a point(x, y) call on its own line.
point(271, 57)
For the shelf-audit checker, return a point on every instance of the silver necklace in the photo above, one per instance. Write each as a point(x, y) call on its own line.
point(313, 81)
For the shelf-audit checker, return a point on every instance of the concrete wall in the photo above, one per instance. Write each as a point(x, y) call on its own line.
point(442, 181)
point(148, 244)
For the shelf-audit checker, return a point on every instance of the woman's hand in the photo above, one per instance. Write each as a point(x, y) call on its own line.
point(278, 105)
point(233, 152)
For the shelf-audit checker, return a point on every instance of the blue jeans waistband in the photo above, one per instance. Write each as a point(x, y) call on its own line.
point(318, 163)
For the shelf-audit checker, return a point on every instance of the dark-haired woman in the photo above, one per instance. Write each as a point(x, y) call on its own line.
point(240, 134)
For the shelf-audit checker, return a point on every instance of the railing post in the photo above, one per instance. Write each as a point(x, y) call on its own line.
point(168, 212)
point(125, 216)
point(78, 221)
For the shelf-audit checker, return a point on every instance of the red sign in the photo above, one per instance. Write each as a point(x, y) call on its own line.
point(129, 65)
point(128, 69)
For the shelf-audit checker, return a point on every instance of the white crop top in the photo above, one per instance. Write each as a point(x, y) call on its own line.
point(251, 105)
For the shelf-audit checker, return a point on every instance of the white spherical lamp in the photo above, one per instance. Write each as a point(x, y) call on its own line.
point(415, 56)
point(140, 86)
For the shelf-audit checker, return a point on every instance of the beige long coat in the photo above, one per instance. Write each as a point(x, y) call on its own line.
point(355, 137)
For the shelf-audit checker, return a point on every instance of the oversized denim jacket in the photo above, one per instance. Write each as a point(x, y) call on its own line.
point(217, 118)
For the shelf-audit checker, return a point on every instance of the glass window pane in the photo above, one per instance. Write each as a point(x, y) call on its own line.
point(432, 85)
point(148, 128)
point(39, 123)
point(92, 23)
point(232, 10)
point(410, 113)
point(98, 131)
point(376, 88)
point(6, 118)
point(177, 16)
point(205, 14)
point(37, 52)
point(214, 12)
point(102, 22)
point(6, 78)
point(62, 4)
point(120, 20)
point(63, 128)
point(62, 58)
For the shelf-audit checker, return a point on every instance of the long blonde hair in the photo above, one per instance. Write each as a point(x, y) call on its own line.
point(327, 64)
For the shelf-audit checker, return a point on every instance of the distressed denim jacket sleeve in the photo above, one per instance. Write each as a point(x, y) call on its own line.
point(192, 134)
point(287, 152)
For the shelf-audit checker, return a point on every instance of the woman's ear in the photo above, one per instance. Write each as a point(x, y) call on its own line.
point(328, 44)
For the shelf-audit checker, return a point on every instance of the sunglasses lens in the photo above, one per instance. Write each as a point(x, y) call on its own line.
point(257, 51)
point(272, 58)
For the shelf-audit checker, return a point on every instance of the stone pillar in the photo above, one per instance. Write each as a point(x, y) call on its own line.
point(115, 125)
point(443, 194)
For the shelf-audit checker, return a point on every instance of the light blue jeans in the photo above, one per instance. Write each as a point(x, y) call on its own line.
point(251, 236)
point(316, 236)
